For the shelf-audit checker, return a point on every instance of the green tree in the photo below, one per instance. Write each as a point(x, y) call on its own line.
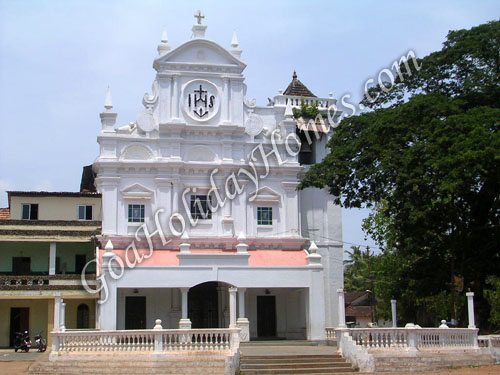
point(426, 158)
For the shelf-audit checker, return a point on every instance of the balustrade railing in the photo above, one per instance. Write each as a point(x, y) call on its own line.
point(169, 340)
point(418, 338)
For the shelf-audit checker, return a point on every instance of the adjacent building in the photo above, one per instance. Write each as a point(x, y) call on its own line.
point(46, 241)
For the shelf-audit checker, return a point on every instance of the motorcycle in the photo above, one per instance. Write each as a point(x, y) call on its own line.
point(22, 341)
point(40, 343)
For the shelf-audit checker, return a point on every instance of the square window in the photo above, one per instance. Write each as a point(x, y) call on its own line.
point(30, 211)
point(136, 213)
point(264, 216)
point(200, 208)
point(84, 212)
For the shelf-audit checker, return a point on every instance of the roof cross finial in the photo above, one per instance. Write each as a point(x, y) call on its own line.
point(199, 16)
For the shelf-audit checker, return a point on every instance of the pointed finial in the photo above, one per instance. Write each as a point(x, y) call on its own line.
point(164, 37)
point(109, 246)
point(294, 75)
point(163, 47)
point(199, 16)
point(234, 41)
point(313, 248)
point(108, 103)
point(185, 236)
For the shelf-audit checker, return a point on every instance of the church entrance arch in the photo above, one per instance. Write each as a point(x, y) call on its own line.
point(208, 305)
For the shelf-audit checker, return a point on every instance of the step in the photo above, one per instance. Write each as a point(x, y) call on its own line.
point(291, 356)
point(291, 365)
point(279, 343)
point(316, 371)
point(292, 360)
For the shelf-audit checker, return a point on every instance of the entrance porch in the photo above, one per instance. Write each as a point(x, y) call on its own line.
point(269, 313)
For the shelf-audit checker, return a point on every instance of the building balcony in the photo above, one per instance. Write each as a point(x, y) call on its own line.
point(46, 282)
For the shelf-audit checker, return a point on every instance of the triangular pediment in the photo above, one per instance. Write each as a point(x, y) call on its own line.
point(200, 52)
point(265, 194)
point(137, 191)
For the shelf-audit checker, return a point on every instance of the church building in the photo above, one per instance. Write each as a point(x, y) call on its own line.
point(200, 205)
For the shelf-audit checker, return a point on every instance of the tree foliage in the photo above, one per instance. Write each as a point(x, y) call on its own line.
point(426, 158)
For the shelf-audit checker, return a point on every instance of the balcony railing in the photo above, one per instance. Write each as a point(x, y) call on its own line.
point(44, 282)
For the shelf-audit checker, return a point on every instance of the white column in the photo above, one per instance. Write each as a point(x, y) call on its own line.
point(393, 308)
point(185, 322)
point(242, 321)
point(470, 306)
point(241, 302)
point(340, 293)
point(52, 258)
point(57, 310)
point(232, 307)
point(62, 325)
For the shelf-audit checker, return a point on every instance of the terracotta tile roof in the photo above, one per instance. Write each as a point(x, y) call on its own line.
point(297, 88)
point(4, 213)
point(358, 311)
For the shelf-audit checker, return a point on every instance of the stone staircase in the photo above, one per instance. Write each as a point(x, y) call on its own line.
point(430, 361)
point(291, 357)
point(188, 365)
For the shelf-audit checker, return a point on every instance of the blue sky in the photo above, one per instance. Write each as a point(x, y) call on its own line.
point(58, 57)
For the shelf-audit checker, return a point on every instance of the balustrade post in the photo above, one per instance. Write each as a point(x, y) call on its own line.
point(158, 336)
point(412, 340)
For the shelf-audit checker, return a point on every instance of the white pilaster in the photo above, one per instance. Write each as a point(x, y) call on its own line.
point(340, 293)
point(175, 98)
point(470, 309)
point(108, 301)
point(52, 258)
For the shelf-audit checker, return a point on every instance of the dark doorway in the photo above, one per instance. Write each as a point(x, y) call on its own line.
point(19, 322)
point(82, 316)
point(203, 305)
point(21, 265)
point(266, 316)
point(135, 312)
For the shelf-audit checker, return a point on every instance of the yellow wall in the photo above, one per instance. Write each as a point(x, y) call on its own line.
point(71, 311)
point(55, 208)
point(41, 316)
point(38, 317)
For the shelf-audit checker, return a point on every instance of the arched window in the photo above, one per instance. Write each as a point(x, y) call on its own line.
point(82, 316)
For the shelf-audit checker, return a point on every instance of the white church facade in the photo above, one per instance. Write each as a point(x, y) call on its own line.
point(200, 210)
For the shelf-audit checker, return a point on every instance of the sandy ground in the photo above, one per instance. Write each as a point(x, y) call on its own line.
point(18, 363)
point(21, 368)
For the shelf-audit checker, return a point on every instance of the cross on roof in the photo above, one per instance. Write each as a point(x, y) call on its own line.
point(199, 15)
